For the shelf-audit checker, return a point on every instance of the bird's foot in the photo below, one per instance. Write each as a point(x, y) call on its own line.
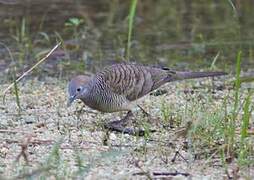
point(125, 130)
point(120, 126)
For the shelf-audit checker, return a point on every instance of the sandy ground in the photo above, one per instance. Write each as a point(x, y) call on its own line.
point(45, 122)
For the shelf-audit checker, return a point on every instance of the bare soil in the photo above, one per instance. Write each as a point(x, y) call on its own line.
point(29, 139)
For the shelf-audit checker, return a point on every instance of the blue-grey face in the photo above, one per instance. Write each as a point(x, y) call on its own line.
point(77, 88)
point(74, 93)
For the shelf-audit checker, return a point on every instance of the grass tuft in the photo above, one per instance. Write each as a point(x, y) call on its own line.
point(244, 147)
point(16, 91)
point(232, 120)
point(130, 27)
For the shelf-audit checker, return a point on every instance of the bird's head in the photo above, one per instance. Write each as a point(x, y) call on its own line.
point(77, 87)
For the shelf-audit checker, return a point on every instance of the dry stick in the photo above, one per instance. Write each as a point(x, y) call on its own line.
point(177, 153)
point(24, 147)
point(16, 131)
point(28, 71)
point(45, 142)
point(33, 142)
point(170, 173)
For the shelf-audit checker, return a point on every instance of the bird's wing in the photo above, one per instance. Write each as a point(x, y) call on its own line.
point(133, 81)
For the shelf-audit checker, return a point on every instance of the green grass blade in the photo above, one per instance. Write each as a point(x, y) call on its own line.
point(16, 91)
point(233, 7)
point(246, 116)
point(232, 124)
point(238, 80)
point(130, 26)
point(244, 153)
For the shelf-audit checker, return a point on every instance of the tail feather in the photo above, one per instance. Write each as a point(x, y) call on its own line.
point(192, 75)
point(180, 75)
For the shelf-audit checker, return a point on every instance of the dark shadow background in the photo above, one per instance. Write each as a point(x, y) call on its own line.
point(177, 33)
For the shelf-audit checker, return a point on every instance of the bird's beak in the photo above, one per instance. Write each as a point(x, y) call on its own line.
point(70, 100)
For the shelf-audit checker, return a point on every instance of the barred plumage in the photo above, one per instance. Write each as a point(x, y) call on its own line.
point(117, 86)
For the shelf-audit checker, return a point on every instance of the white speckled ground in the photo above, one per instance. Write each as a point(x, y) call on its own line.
point(45, 121)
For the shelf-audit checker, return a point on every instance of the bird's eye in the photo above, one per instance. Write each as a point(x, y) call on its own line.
point(78, 89)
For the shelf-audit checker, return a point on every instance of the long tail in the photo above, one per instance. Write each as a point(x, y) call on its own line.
point(180, 75)
point(190, 75)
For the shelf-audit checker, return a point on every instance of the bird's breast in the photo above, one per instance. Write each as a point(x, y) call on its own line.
point(105, 102)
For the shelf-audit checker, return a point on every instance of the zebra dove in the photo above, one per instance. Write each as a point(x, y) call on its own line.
point(116, 87)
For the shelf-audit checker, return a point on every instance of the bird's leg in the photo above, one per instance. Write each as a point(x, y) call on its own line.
point(124, 120)
point(146, 114)
point(149, 117)
point(144, 111)
point(119, 126)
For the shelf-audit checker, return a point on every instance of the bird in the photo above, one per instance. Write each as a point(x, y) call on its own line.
point(117, 87)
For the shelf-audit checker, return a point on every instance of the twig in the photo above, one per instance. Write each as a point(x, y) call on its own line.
point(34, 142)
point(176, 173)
point(47, 142)
point(16, 131)
point(143, 172)
point(24, 146)
point(170, 173)
point(29, 70)
point(177, 153)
